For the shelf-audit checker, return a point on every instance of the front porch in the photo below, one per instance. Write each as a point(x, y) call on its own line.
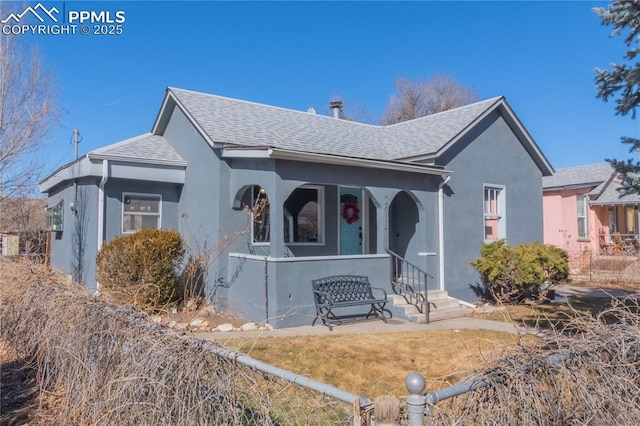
point(278, 291)
point(300, 230)
point(617, 227)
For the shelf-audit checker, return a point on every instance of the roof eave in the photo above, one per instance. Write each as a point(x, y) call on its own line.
point(281, 154)
point(571, 186)
point(127, 159)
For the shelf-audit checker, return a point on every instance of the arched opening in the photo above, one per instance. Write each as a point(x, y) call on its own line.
point(254, 198)
point(403, 219)
point(303, 215)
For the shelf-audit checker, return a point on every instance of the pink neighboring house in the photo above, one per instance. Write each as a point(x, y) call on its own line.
point(585, 214)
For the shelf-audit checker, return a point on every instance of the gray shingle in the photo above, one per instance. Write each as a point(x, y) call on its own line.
point(580, 176)
point(147, 147)
point(237, 122)
point(427, 135)
point(612, 195)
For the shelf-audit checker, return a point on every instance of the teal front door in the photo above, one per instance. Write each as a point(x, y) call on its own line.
point(350, 221)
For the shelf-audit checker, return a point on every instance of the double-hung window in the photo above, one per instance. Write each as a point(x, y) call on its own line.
point(583, 220)
point(494, 213)
point(140, 211)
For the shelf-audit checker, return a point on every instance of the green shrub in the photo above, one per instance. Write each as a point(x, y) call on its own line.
point(141, 269)
point(514, 274)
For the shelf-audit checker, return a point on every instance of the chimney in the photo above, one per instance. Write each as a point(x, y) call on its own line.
point(336, 108)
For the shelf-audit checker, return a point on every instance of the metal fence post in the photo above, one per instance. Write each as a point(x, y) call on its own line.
point(416, 402)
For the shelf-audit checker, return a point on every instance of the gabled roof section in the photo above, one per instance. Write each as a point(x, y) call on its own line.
point(430, 134)
point(146, 148)
point(225, 121)
point(611, 195)
point(593, 175)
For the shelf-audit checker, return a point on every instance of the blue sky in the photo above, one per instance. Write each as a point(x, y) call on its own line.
point(540, 55)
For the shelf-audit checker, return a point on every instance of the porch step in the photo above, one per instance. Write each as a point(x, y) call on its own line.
point(442, 307)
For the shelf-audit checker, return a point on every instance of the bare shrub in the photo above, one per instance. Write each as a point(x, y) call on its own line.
point(111, 366)
point(593, 382)
point(141, 269)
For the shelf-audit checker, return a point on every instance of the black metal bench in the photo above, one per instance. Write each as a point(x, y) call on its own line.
point(346, 291)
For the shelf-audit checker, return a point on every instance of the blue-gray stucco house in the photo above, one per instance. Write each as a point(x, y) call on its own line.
point(339, 194)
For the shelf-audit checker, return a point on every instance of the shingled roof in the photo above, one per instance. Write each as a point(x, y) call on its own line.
point(147, 148)
point(225, 121)
point(612, 194)
point(578, 177)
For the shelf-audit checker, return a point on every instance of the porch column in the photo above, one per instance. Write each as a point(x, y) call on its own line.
point(276, 212)
point(382, 200)
point(383, 227)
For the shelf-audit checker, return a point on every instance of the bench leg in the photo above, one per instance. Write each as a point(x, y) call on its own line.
point(323, 314)
point(378, 310)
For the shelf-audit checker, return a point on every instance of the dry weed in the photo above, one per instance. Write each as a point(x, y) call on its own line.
point(595, 381)
point(113, 366)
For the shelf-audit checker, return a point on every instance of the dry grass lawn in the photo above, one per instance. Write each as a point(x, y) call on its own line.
point(377, 364)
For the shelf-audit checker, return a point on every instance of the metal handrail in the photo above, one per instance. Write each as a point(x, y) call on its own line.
point(410, 282)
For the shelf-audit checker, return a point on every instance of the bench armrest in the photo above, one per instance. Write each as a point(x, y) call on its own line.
point(380, 290)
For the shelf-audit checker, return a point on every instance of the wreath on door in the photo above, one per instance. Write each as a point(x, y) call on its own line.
point(350, 212)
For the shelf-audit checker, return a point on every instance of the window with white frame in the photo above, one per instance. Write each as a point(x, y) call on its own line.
point(494, 214)
point(303, 216)
point(55, 217)
point(140, 211)
point(582, 213)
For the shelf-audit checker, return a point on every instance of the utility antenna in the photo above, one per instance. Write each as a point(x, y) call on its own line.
point(76, 140)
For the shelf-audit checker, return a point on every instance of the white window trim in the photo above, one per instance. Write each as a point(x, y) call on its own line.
point(502, 210)
point(140, 194)
point(585, 206)
point(321, 219)
point(50, 214)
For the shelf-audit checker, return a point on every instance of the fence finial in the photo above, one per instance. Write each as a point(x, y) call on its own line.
point(416, 402)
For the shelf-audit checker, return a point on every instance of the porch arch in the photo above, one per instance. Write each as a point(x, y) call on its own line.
point(404, 219)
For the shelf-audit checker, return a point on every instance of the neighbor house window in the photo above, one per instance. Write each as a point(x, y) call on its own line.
point(140, 211)
point(55, 217)
point(583, 222)
point(613, 220)
point(631, 213)
point(494, 219)
point(303, 216)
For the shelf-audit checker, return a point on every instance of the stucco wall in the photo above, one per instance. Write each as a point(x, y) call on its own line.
point(287, 282)
point(491, 154)
point(561, 224)
point(73, 251)
point(114, 189)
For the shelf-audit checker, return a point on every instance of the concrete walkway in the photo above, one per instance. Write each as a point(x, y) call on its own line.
point(574, 290)
point(367, 326)
point(397, 325)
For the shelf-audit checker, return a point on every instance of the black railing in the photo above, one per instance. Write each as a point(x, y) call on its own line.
point(410, 282)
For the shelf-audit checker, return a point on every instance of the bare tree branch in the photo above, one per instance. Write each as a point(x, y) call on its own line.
point(28, 113)
point(415, 99)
